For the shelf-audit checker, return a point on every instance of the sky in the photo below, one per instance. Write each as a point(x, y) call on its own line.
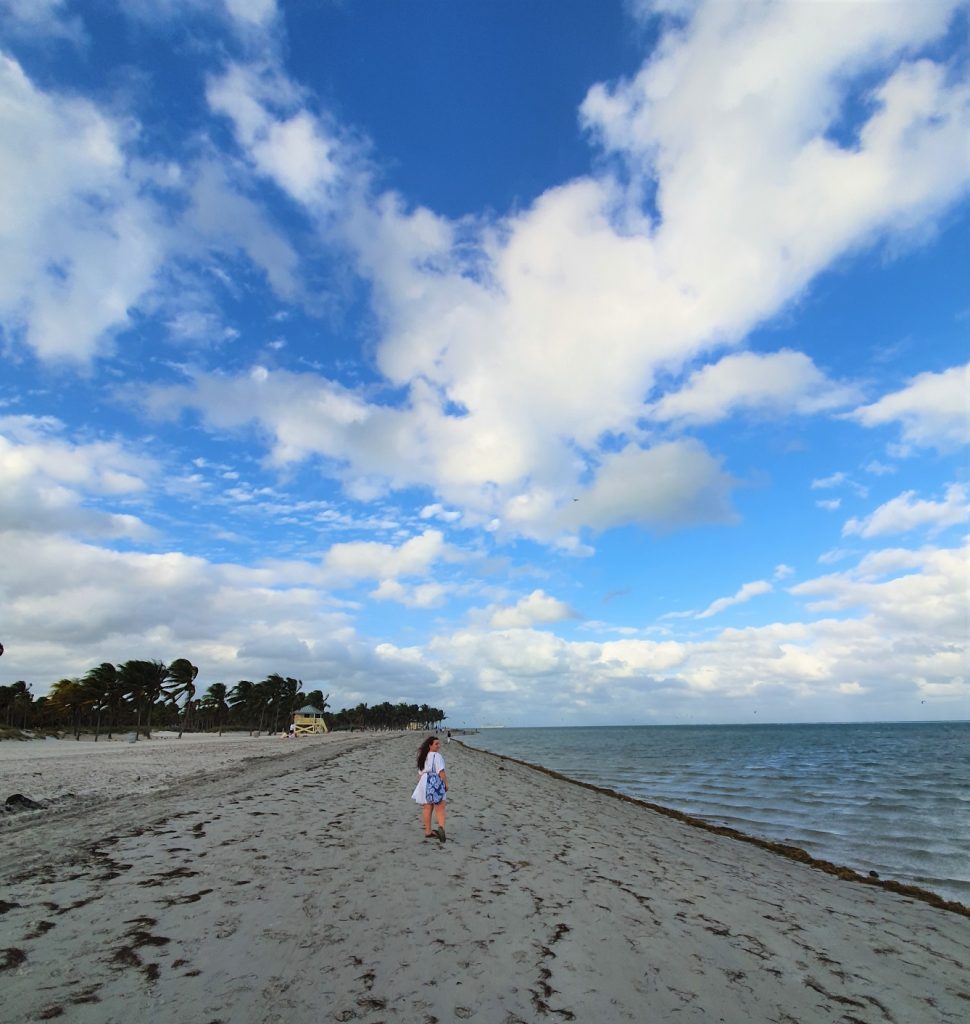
point(551, 363)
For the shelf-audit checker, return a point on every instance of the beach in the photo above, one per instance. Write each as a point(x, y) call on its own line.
point(294, 884)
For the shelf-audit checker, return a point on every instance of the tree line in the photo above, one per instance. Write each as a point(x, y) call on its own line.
point(138, 696)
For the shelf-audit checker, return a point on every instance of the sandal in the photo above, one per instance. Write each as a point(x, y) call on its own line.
point(440, 833)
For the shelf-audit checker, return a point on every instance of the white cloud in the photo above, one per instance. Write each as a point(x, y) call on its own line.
point(286, 144)
point(745, 593)
point(779, 384)
point(41, 19)
point(246, 16)
point(438, 511)
point(50, 484)
point(906, 512)
point(904, 592)
point(830, 504)
point(252, 12)
point(534, 609)
point(663, 488)
point(421, 595)
point(838, 480)
point(220, 215)
point(358, 560)
point(375, 447)
point(733, 116)
point(77, 604)
point(83, 243)
point(903, 638)
point(78, 245)
point(521, 344)
point(900, 635)
point(933, 410)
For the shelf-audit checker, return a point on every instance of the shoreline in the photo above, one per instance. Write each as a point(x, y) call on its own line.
point(788, 850)
point(301, 890)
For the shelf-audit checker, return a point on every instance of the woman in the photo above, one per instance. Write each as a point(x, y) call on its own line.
point(432, 786)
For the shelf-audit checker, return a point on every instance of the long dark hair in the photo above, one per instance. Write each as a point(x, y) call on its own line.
point(423, 751)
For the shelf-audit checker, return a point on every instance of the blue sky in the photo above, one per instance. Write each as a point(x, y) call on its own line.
point(548, 362)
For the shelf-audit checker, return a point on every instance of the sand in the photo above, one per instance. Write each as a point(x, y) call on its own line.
point(299, 888)
point(68, 771)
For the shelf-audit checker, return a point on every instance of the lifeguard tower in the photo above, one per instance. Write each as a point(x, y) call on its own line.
point(309, 721)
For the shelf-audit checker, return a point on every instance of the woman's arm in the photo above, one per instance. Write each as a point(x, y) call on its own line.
point(444, 778)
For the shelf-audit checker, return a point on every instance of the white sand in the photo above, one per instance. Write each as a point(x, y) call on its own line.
point(57, 770)
point(301, 890)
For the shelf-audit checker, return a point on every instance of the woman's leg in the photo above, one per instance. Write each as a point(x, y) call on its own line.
point(439, 813)
point(426, 818)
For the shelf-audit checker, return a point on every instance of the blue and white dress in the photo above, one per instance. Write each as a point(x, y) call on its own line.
point(433, 766)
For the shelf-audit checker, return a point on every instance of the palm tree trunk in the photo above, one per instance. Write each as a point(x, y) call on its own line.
point(185, 717)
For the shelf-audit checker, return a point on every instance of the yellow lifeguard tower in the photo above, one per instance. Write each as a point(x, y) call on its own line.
point(309, 721)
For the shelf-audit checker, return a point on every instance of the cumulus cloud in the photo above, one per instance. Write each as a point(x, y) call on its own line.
point(745, 593)
point(86, 242)
point(48, 483)
point(421, 595)
point(932, 411)
point(907, 512)
point(521, 343)
point(77, 604)
point(377, 447)
point(914, 598)
point(905, 591)
point(438, 511)
point(285, 142)
point(534, 609)
point(357, 560)
point(737, 129)
point(671, 485)
point(78, 244)
point(780, 383)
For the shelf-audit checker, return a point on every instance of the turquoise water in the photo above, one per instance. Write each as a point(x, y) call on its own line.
point(892, 798)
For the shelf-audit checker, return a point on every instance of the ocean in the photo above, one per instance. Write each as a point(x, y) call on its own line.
point(890, 797)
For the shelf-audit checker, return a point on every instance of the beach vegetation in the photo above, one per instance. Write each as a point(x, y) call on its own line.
point(15, 704)
point(139, 695)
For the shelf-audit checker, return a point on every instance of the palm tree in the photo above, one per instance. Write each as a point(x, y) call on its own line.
point(101, 686)
point(182, 675)
point(214, 699)
point(280, 695)
point(12, 700)
point(242, 697)
point(68, 698)
point(144, 682)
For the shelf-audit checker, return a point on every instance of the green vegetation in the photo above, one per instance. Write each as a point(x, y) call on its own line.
point(138, 696)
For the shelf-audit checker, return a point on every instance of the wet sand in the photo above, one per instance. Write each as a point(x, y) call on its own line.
point(300, 888)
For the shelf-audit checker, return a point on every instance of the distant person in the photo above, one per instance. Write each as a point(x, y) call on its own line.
point(432, 786)
point(292, 730)
point(449, 735)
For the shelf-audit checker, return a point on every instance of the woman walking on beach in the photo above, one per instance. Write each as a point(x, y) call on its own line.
point(432, 786)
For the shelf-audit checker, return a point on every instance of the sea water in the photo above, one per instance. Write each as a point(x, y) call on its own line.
point(893, 798)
